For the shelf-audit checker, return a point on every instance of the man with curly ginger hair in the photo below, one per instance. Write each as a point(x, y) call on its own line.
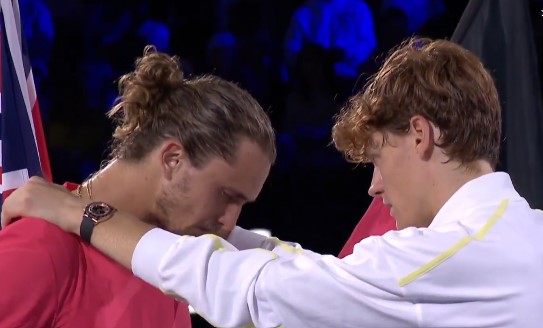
point(468, 252)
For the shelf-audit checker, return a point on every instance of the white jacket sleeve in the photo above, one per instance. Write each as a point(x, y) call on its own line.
point(232, 288)
point(447, 275)
point(243, 239)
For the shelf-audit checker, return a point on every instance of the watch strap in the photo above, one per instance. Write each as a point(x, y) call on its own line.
point(86, 228)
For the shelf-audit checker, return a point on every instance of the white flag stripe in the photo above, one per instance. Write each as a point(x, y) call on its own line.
point(13, 179)
point(14, 44)
point(17, 15)
point(11, 20)
point(31, 95)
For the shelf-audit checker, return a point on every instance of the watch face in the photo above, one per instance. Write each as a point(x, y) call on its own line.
point(98, 209)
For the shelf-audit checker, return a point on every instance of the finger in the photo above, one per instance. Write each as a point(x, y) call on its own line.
point(11, 207)
point(6, 217)
point(36, 180)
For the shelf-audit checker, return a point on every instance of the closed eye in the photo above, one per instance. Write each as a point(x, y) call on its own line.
point(236, 197)
point(232, 198)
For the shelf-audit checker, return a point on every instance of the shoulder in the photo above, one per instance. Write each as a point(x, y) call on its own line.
point(411, 249)
point(36, 264)
point(39, 230)
point(39, 237)
point(414, 242)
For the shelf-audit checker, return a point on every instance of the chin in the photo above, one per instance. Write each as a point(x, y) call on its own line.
point(401, 224)
point(195, 231)
point(191, 232)
point(155, 220)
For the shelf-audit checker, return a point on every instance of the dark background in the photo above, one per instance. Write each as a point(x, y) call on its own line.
point(312, 196)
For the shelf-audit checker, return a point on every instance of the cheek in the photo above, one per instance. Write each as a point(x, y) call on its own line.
point(398, 184)
point(210, 206)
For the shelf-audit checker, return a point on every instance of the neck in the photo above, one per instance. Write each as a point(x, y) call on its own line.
point(450, 177)
point(126, 186)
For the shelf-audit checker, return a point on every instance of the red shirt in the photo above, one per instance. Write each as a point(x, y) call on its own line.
point(375, 222)
point(50, 278)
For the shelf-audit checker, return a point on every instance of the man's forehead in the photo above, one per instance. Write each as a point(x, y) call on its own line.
point(232, 178)
point(244, 177)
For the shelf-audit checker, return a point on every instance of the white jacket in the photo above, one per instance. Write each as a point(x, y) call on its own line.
point(479, 264)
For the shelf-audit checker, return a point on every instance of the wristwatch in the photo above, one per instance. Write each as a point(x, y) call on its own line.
point(95, 213)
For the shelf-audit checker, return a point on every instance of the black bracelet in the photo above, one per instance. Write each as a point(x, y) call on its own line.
point(86, 228)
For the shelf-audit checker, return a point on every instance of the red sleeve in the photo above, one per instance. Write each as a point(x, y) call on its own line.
point(375, 222)
point(182, 316)
point(29, 281)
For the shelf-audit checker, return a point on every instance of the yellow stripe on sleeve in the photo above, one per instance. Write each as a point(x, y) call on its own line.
point(456, 247)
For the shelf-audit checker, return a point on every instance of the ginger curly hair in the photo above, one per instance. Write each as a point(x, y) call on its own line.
point(437, 79)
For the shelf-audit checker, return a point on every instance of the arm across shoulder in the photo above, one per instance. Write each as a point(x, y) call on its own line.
point(36, 259)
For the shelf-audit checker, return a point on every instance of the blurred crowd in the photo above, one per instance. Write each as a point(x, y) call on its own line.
point(300, 59)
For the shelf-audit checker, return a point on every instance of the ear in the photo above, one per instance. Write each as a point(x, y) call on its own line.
point(423, 133)
point(172, 156)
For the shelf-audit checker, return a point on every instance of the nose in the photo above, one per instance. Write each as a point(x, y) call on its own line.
point(230, 217)
point(376, 188)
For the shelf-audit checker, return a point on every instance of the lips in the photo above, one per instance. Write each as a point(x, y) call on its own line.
point(389, 207)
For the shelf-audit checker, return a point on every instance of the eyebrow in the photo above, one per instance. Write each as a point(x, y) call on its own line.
point(239, 195)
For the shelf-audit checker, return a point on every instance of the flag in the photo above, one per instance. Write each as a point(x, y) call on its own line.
point(500, 33)
point(23, 151)
point(375, 222)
